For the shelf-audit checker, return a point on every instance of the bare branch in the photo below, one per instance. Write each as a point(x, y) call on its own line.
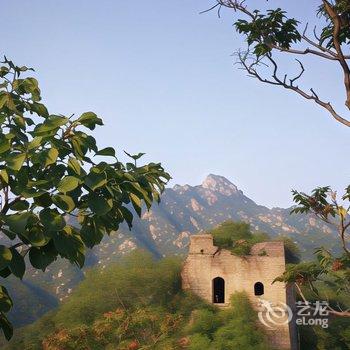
point(210, 9)
point(319, 51)
point(277, 81)
point(341, 313)
point(299, 75)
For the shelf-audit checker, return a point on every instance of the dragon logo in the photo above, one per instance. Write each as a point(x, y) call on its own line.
point(273, 316)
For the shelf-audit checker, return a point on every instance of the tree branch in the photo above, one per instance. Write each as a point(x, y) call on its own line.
point(323, 52)
point(277, 81)
point(342, 313)
point(336, 41)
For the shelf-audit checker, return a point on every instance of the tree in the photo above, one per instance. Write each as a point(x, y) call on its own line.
point(238, 238)
point(50, 169)
point(273, 32)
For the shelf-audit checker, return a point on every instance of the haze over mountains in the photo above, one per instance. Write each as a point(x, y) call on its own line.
point(166, 229)
point(185, 210)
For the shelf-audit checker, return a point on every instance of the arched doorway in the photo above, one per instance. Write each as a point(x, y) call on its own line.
point(218, 290)
point(258, 289)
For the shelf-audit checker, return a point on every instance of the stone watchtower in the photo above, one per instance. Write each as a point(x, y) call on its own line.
point(215, 274)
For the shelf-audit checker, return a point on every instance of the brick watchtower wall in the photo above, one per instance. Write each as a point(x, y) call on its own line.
point(206, 262)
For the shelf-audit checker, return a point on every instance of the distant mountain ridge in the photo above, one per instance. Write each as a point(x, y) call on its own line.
point(183, 211)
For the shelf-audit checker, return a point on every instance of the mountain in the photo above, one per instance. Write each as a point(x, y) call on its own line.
point(183, 211)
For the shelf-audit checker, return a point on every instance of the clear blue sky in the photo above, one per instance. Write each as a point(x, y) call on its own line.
point(162, 78)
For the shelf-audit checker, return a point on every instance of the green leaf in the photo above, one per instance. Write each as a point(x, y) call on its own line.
point(5, 300)
point(52, 219)
point(36, 236)
point(74, 165)
point(15, 160)
point(92, 234)
point(17, 264)
point(90, 120)
point(8, 233)
point(4, 145)
point(43, 200)
point(5, 272)
point(136, 203)
point(52, 123)
point(127, 215)
point(134, 156)
point(108, 151)
point(5, 257)
point(95, 180)
point(99, 204)
point(68, 183)
point(35, 142)
point(20, 205)
point(17, 222)
point(32, 193)
point(64, 202)
point(4, 176)
point(4, 97)
point(39, 109)
point(50, 156)
point(70, 246)
point(6, 326)
point(42, 257)
point(19, 121)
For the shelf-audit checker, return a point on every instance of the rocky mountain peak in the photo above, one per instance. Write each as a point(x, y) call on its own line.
point(219, 184)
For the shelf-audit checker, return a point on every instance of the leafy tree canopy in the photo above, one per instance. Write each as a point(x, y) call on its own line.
point(238, 238)
point(50, 168)
point(272, 32)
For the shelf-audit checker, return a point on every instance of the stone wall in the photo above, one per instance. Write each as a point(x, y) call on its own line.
point(267, 261)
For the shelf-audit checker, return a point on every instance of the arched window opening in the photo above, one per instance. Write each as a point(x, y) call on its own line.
point(258, 288)
point(218, 290)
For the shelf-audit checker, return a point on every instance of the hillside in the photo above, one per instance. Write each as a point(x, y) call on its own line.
point(166, 228)
point(121, 308)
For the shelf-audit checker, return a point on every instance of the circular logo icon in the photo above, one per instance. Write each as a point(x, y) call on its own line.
point(274, 315)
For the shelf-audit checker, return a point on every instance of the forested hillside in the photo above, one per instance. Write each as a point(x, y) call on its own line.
point(138, 304)
point(165, 230)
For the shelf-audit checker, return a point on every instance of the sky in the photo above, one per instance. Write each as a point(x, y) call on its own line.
point(163, 78)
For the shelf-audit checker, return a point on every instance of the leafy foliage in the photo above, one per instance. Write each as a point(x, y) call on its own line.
point(272, 31)
point(50, 167)
point(234, 328)
point(342, 7)
point(272, 28)
point(337, 336)
point(138, 303)
point(331, 270)
point(238, 238)
point(235, 236)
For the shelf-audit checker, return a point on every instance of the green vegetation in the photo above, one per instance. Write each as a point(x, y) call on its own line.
point(238, 238)
point(139, 302)
point(51, 168)
point(336, 337)
point(234, 328)
point(269, 35)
